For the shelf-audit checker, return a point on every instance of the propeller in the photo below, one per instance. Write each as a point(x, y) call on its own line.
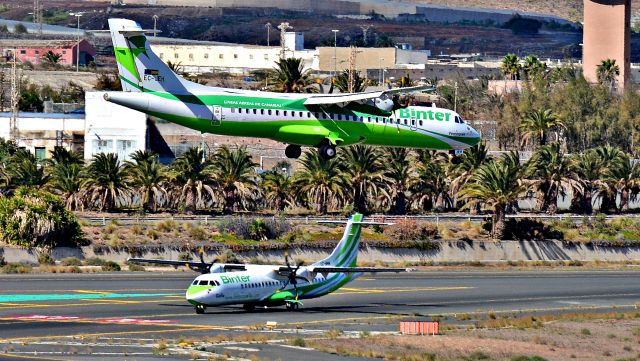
point(204, 267)
point(292, 275)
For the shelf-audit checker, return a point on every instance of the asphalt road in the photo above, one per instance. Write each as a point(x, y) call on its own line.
point(80, 316)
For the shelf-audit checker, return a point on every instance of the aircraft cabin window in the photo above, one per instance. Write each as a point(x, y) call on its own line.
point(277, 112)
point(233, 110)
point(269, 111)
point(285, 113)
point(376, 119)
point(420, 122)
point(339, 116)
point(397, 121)
point(262, 111)
point(255, 111)
point(413, 122)
point(405, 122)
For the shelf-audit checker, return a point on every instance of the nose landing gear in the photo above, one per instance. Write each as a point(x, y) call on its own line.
point(327, 151)
point(200, 309)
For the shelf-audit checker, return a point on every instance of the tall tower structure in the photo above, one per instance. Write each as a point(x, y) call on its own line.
point(607, 35)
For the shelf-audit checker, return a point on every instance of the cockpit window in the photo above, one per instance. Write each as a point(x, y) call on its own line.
point(195, 283)
point(203, 282)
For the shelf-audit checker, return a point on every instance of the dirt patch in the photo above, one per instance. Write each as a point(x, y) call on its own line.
point(562, 340)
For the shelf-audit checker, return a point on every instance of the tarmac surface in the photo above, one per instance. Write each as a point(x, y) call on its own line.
point(124, 315)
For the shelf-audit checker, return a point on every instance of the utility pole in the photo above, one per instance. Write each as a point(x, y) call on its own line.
point(77, 15)
point(13, 126)
point(155, 23)
point(335, 51)
point(365, 32)
point(283, 47)
point(455, 98)
point(352, 68)
point(37, 15)
point(268, 26)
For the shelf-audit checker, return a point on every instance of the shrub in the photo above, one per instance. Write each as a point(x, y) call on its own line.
point(46, 259)
point(166, 226)
point(34, 218)
point(184, 256)
point(410, 230)
point(255, 228)
point(20, 29)
point(528, 358)
point(94, 261)
point(111, 266)
point(2, 261)
point(198, 233)
point(136, 267)
point(585, 331)
point(299, 341)
point(15, 268)
point(70, 261)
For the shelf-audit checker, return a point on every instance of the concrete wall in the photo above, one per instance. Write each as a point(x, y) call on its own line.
point(450, 251)
point(607, 35)
point(46, 130)
point(367, 58)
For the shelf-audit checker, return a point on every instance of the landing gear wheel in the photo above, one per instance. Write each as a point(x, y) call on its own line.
point(292, 306)
point(327, 151)
point(249, 307)
point(293, 151)
point(200, 309)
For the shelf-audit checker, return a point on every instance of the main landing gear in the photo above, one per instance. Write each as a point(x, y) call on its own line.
point(249, 307)
point(292, 306)
point(200, 309)
point(327, 151)
point(293, 151)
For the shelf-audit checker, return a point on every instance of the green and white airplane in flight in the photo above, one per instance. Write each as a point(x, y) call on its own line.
point(313, 120)
point(275, 285)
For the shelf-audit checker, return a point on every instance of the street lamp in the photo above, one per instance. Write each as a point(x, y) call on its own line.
point(268, 26)
point(77, 15)
point(155, 20)
point(381, 72)
point(335, 51)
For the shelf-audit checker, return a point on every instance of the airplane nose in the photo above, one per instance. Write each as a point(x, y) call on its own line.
point(475, 136)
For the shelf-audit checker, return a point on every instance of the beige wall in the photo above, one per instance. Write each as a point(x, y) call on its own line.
point(367, 58)
point(607, 36)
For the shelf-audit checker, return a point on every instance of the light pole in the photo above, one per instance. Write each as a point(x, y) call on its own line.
point(268, 26)
point(77, 15)
point(380, 60)
point(335, 51)
point(155, 20)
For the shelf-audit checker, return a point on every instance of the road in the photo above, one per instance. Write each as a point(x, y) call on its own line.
point(77, 316)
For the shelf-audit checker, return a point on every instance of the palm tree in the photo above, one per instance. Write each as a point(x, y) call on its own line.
point(586, 170)
point(365, 174)
point(149, 177)
point(496, 185)
point(234, 172)
point(398, 170)
point(533, 67)
point(429, 186)
point(624, 175)
point(191, 175)
point(470, 160)
point(341, 81)
point(278, 189)
point(320, 181)
point(537, 124)
point(610, 159)
point(62, 156)
point(51, 59)
point(69, 181)
point(7, 149)
point(289, 76)
point(607, 72)
point(24, 170)
point(107, 181)
point(549, 172)
point(510, 66)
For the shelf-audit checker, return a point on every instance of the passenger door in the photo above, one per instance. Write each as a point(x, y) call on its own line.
point(216, 115)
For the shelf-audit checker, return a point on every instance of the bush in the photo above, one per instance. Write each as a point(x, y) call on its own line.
point(70, 261)
point(166, 226)
point(530, 229)
point(94, 261)
point(198, 233)
point(133, 267)
point(15, 268)
point(299, 341)
point(528, 358)
point(111, 266)
point(255, 228)
point(20, 29)
point(184, 256)
point(45, 258)
point(410, 230)
point(2, 261)
point(34, 218)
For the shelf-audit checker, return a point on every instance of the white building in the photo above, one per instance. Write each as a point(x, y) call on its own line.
point(104, 128)
point(112, 128)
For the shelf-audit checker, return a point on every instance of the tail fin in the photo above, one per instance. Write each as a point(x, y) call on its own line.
point(140, 69)
point(346, 252)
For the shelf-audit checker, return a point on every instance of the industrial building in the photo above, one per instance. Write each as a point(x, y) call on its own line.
point(607, 35)
point(32, 50)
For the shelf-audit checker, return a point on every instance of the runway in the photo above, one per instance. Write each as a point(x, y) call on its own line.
point(40, 310)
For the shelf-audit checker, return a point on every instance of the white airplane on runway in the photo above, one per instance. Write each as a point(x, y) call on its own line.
point(275, 285)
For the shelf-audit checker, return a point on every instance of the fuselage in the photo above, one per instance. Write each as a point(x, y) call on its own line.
point(259, 285)
point(287, 119)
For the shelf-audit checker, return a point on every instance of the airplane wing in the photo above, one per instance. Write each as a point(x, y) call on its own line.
point(330, 269)
point(344, 99)
point(190, 264)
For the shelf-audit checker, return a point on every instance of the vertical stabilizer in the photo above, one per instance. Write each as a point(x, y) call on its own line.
point(139, 68)
point(346, 252)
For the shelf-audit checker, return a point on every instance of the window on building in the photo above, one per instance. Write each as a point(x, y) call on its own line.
point(102, 146)
point(37, 52)
point(266, 56)
point(64, 52)
point(23, 51)
point(190, 56)
point(206, 55)
point(251, 56)
point(235, 56)
point(161, 55)
point(220, 56)
point(176, 55)
point(41, 153)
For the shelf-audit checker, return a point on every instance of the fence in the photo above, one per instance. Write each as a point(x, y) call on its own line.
point(420, 328)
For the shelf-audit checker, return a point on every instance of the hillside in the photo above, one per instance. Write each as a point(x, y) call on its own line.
point(568, 9)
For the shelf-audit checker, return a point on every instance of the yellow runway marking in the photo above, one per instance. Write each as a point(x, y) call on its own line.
point(100, 334)
point(33, 356)
point(110, 301)
point(49, 305)
point(92, 292)
point(345, 290)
